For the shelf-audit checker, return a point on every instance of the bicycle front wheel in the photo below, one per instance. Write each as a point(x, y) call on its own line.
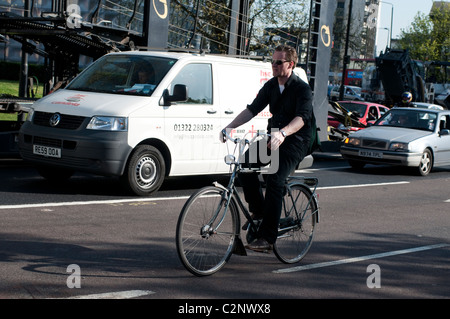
point(297, 224)
point(206, 231)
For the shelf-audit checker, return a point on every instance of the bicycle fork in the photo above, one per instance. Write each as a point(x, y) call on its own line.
point(227, 196)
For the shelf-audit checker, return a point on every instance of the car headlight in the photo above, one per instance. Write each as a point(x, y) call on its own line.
point(397, 146)
point(108, 123)
point(353, 141)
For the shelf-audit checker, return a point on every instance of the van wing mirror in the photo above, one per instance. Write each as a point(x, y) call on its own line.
point(180, 94)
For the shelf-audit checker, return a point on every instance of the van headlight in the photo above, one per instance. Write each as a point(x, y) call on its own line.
point(397, 146)
point(108, 123)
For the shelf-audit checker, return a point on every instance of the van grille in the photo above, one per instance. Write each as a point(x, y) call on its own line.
point(52, 142)
point(68, 122)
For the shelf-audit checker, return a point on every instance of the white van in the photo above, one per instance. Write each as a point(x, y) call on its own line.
point(144, 116)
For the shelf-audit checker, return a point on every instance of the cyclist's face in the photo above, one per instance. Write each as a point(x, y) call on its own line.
point(285, 68)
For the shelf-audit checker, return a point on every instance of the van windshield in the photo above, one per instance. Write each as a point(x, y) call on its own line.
point(123, 74)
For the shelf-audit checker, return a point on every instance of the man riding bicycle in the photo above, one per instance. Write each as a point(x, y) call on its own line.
point(290, 102)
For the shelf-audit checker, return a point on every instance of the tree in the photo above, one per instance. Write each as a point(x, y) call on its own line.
point(209, 20)
point(273, 22)
point(428, 37)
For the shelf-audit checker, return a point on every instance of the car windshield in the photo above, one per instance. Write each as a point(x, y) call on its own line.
point(414, 119)
point(123, 74)
point(356, 108)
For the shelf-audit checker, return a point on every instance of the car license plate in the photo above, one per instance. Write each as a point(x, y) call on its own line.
point(372, 154)
point(47, 151)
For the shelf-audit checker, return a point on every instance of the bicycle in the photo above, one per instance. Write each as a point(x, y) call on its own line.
point(208, 228)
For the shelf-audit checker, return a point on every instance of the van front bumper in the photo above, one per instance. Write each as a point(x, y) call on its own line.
point(93, 151)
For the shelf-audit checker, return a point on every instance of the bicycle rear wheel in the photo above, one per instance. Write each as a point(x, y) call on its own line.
point(206, 234)
point(297, 224)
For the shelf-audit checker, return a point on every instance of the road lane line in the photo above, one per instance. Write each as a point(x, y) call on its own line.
point(150, 199)
point(358, 259)
point(364, 185)
point(93, 202)
point(116, 295)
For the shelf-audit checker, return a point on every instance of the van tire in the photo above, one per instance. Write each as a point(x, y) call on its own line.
point(145, 171)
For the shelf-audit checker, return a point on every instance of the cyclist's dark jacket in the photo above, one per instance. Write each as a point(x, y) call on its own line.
point(296, 100)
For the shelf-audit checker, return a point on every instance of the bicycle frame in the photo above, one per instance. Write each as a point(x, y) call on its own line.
point(233, 193)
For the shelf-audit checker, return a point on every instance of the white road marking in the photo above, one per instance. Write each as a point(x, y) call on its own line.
point(116, 295)
point(358, 259)
point(150, 199)
point(364, 185)
point(93, 202)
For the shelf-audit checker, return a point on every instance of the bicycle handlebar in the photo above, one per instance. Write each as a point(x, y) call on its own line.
point(243, 142)
point(238, 140)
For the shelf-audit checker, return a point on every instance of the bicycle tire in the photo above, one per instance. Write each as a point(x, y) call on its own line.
point(202, 250)
point(296, 231)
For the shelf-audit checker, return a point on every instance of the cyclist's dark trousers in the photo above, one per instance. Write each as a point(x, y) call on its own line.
point(290, 154)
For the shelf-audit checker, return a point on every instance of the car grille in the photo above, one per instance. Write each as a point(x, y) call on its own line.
point(69, 122)
point(376, 144)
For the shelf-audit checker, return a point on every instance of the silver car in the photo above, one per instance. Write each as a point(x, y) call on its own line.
point(351, 93)
point(414, 137)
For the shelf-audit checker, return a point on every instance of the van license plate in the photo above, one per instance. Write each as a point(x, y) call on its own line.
point(372, 154)
point(47, 151)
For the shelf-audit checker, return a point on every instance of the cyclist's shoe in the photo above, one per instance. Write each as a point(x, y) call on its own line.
point(260, 245)
point(255, 218)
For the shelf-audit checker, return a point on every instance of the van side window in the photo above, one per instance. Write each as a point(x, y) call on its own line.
point(198, 79)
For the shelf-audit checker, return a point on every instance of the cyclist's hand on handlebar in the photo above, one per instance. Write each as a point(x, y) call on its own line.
point(276, 138)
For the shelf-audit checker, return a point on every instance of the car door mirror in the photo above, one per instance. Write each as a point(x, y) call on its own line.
point(444, 132)
point(180, 94)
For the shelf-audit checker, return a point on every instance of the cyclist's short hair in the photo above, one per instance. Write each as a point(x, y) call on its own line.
point(291, 53)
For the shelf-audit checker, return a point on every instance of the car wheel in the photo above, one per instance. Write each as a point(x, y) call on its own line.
point(426, 163)
point(145, 170)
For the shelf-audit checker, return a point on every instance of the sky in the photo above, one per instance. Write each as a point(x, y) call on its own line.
point(404, 13)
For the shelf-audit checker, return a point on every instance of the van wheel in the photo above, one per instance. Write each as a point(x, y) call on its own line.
point(145, 170)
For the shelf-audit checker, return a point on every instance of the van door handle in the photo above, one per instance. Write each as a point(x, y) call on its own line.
point(212, 111)
point(229, 112)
